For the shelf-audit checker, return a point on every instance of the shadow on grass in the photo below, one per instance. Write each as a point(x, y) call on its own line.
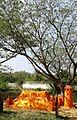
point(8, 112)
point(62, 118)
point(73, 118)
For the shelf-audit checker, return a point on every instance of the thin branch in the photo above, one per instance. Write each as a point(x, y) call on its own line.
point(8, 58)
point(61, 39)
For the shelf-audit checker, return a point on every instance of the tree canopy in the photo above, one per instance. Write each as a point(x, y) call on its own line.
point(43, 31)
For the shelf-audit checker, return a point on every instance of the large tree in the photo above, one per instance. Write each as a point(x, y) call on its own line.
point(45, 32)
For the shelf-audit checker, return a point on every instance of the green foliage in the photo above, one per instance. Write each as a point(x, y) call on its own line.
point(75, 81)
point(20, 77)
point(52, 89)
point(75, 96)
point(6, 78)
point(35, 77)
point(23, 76)
point(3, 86)
point(4, 27)
point(1, 1)
point(40, 78)
point(63, 75)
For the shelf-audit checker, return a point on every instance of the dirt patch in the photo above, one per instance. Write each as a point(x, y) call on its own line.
point(71, 113)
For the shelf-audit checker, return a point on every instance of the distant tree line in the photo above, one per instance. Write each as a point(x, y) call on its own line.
point(20, 77)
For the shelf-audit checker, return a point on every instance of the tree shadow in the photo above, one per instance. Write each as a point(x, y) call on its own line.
point(8, 112)
point(62, 118)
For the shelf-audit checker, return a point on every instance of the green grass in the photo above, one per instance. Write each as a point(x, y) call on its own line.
point(28, 115)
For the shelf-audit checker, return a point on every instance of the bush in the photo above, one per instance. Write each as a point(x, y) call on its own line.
point(3, 87)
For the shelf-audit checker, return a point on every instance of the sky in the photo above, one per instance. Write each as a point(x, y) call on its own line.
point(20, 63)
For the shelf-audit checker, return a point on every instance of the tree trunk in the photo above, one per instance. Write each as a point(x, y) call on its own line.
point(63, 97)
point(56, 106)
point(1, 104)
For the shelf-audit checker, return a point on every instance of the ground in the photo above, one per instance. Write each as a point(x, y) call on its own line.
point(71, 113)
point(29, 115)
point(64, 114)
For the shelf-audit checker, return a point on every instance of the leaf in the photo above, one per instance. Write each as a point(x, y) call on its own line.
point(1, 1)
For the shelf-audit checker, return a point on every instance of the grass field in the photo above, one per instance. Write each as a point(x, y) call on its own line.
point(29, 115)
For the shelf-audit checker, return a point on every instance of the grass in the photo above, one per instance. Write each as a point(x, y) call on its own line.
point(29, 115)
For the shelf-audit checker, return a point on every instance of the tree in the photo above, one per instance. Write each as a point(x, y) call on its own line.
point(20, 77)
point(39, 28)
point(44, 32)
